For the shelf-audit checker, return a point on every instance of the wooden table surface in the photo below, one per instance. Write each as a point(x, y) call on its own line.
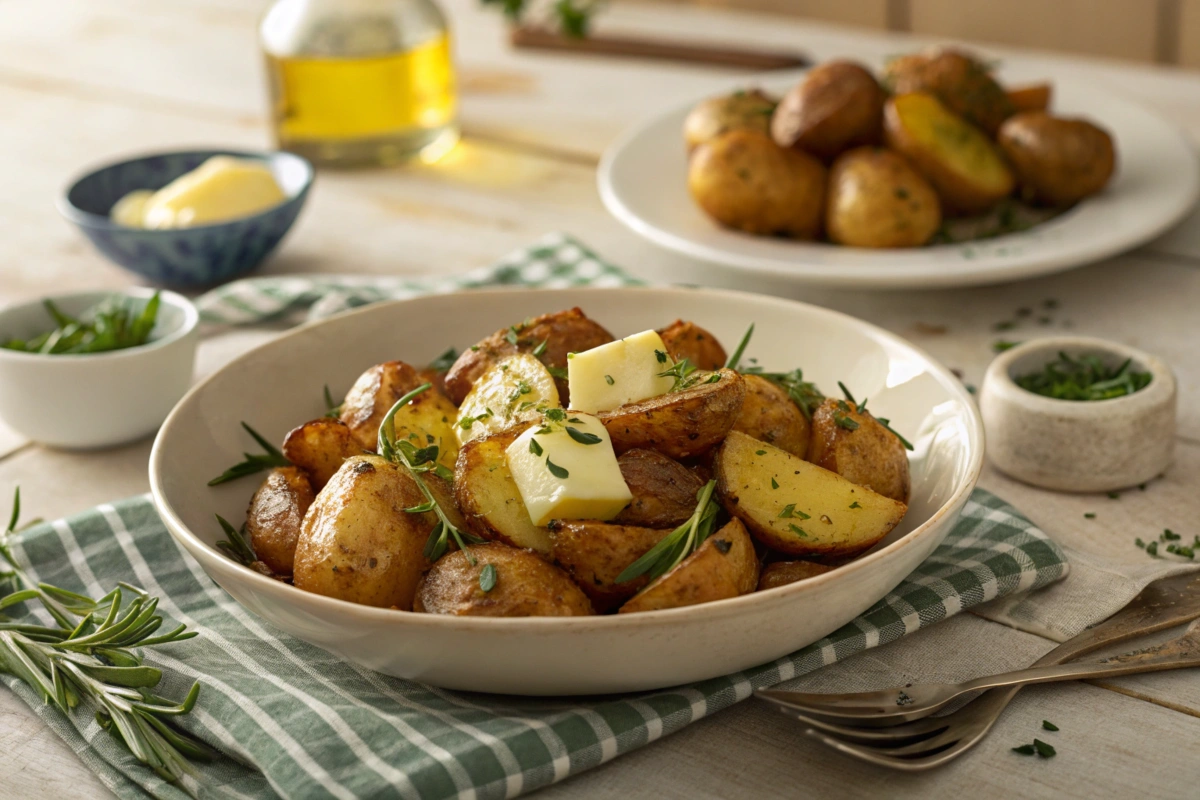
point(82, 81)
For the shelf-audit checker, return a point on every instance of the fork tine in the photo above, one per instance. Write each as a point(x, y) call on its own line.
point(896, 735)
point(872, 755)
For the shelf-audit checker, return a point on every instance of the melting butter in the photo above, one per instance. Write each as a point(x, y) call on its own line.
point(223, 188)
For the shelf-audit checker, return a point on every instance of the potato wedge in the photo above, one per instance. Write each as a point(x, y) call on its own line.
point(962, 83)
point(679, 424)
point(1058, 161)
point(1030, 97)
point(319, 448)
point(664, 491)
point(743, 109)
point(563, 332)
point(594, 553)
point(688, 340)
point(964, 167)
point(488, 496)
point(838, 105)
point(276, 515)
point(510, 392)
point(372, 396)
point(769, 415)
point(358, 543)
point(724, 566)
point(814, 512)
point(856, 446)
point(876, 199)
point(429, 419)
point(781, 573)
point(526, 586)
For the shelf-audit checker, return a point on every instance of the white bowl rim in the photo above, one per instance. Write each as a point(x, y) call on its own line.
point(191, 319)
point(719, 608)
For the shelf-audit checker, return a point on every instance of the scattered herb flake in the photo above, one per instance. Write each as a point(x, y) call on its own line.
point(1114, 496)
point(556, 470)
point(760, 452)
point(855, 504)
point(794, 528)
point(541, 348)
point(1152, 549)
point(1089, 515)
point(774, 483)
point(1025, 750)
point(583, 437)
point(1000, 345)
point(487, 578)
point(534, 447)
point(1169, 535)
point(609, 380)
point(1044, 750)
point(1048, 725)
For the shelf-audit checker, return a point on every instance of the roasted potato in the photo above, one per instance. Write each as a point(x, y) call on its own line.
point(962, 83)
point(372, 396)
point(679, 424)
point(769, 415)
point(358, 543)
point(836, 106)
point(488, 495)
point(1058, 161)
point(876, 199)
point(563, 332)
point(1032, 97)
point(510, 392)
point(724, 566)
point(526, 586)
point(741, 110)
point(856, 446)
point(319, 448)
point(781, 573)
point(796, 507)
point(745, 181)
point(594, 553)
point(276, 515)
point(664, 491)
point(688, 340)
point(959, 161)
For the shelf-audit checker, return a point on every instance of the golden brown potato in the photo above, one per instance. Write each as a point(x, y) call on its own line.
point(876, 199)
point(568, 331)
point(1058, 161)
point(688, 340)
point(664, 491)
point(488, 495)
point(854, 445)
point(962, 83)
point(319, 448)
point(358, 543)
point(1032, 97)
point(796, 507)
point(781, 573)
point(836, 106)
point(769, 415)
point(372, 396)
point(594, 553)
point(679, 424)
point(526, 586)
point(743, 180)
point(510, 393)
point(276, 515)
point(959, 161)
point(741, 110)
point(724, 566)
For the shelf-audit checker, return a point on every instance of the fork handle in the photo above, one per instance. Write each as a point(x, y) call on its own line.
point(1122, 665)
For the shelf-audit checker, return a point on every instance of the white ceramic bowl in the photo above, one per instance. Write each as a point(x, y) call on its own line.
point(83, 402)
point(279, 386)
point(1071, 445)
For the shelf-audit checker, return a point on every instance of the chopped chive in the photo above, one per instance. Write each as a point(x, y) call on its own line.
point(1089, 515)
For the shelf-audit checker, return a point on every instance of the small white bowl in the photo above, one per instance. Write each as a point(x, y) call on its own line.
point(82, 402)
point(1073, 445)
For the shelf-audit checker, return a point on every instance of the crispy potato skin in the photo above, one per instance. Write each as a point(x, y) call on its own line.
point(716, 115)
point(1058, 161)
point(526, 586)
point(781, 573)
point(838, 105)
point(745, 181)
point(876, 199)
point(769, 415)
point(679, 424)
point(724, 566)
point(358, 543)
point(319, 448)
point(568, 331)
point(488, 496)
point(372, 396)
point(276, 515)
point(664, 491)
point(595, 553)
point(964, 167)
point(870, 455)
point(961, 82)
point(1032, 97)
point(685, 339)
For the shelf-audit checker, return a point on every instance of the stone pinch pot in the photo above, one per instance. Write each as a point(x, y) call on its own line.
point(1073, 445)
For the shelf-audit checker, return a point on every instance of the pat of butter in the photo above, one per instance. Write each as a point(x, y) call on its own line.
point(561, 475)
point(620, 372)
point(221, 189)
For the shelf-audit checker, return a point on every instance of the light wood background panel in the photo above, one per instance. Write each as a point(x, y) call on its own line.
point(1188, 29)
point(865, 13)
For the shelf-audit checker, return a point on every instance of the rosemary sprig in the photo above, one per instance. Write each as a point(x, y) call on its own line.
point(111, 325)
point(445, 361)
point(254, 463)
point(734, 360)
point(333, 409)
point(679, 543)
point(683, 371)
point(1084, 378)
point(236, 543)
point(804, 394)
point(419, 461)
point(861, 408)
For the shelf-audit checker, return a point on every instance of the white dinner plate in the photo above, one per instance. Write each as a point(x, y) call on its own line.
point(642, 180)
point(279, 386)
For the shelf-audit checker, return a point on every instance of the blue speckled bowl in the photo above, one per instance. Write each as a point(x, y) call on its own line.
point(199, 256)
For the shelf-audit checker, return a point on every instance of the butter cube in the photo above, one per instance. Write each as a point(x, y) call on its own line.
point(620, 372)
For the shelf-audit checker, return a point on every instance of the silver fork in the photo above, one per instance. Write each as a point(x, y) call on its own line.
point(933, 741)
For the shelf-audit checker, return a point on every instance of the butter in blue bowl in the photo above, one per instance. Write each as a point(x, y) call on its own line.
point(184, 237)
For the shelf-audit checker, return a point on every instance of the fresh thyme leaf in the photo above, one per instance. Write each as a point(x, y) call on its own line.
point(1048, 725)
point(1152, 549)
point(774, 483)
point(760, 452)
point(534, 447)
point(1025, 750)
point(254, 463)
point(236, 544)
point(1044, 750)
point(487, 577)
point(1169, 535)
point(609, 380)
point(1089, 515)
point(734, 360)
point(555, 414)
point(582, 437)
point(559, 472)
point(679, 543)
point(661, 356)
point(855, 504)
point(681, 371)
point(1085, 377)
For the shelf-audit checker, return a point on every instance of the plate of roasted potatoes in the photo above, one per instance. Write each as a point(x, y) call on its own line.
point(557, 492)
point(931, 169)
